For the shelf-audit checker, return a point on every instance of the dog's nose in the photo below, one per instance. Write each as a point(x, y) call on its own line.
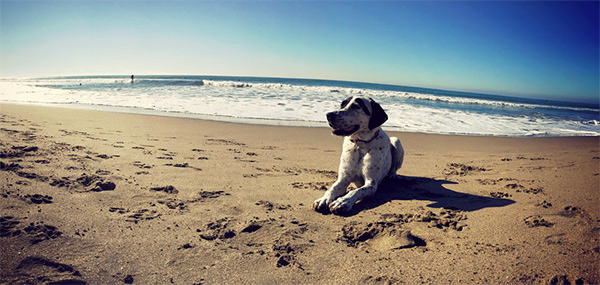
point(331, 116)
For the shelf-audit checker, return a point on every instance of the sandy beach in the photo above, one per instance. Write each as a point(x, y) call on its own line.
point(110, 198)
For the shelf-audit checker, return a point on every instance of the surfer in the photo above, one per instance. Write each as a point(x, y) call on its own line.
point(132, 78)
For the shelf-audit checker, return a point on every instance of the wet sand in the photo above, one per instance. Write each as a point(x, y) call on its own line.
point(110, 198)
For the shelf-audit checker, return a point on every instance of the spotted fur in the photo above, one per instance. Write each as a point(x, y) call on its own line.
point(368, 154)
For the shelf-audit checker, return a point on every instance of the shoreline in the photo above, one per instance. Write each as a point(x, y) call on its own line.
point(251, 121)
point(104, 197)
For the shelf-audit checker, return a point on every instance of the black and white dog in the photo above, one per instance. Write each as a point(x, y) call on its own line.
point(368, 154)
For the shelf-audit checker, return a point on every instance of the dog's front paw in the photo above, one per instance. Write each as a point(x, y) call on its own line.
point(321, 205)
point(341, 206)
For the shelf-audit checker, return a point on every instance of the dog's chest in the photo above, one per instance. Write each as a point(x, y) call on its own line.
point(356, 160)
point(354, 157)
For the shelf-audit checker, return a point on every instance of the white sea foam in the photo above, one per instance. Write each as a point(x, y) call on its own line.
point(392, 95)
point(297, 104)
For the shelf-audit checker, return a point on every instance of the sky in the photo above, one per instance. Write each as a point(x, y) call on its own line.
point(539, 49)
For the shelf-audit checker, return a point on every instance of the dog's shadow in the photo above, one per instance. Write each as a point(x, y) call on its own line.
point(427, 189)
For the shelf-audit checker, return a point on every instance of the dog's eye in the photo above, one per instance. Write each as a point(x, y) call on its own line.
point(354, 106)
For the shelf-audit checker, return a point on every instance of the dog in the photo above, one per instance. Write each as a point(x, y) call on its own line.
point(368, 154)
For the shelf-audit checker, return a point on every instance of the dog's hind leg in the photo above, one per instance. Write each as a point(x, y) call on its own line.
point(397, 156)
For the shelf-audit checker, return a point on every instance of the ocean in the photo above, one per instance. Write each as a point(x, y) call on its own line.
point(304, 102)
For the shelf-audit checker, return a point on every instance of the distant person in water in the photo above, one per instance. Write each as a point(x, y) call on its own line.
point(132, 78)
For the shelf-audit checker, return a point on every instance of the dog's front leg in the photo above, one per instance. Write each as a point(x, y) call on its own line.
point(336, 190)
point(343, 204)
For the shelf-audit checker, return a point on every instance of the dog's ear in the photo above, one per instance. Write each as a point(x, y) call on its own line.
point(362, 105)
point(378, 115)
point(345, 102)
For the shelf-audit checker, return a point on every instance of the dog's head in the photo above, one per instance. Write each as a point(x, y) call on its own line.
point(356, 114)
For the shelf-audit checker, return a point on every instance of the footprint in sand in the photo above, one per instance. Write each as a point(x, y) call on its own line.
point(537, 221)
point(40, 232)
point(139, 164)
point(520, 188)
point(312, 185)
point(572, 211)
point(217, 230)
point(169, 189)
point(544, 204)
point(462, 169)
point(183, 165)
point(395, 239)
point(271, 206)
point(8, 226)
point(283, 239)
point(173, 203)
point(380, 236)
point(137, 215)
point(142, 214)
point(224, 142)
point(499, 195)
point(38, 198)
point(96, 183)
point(446, 219)
point(118, 210)
point(32, 266)
point(36, 232)
point(566, 279)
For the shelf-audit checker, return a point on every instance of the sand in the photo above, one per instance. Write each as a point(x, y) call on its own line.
point(110, 198)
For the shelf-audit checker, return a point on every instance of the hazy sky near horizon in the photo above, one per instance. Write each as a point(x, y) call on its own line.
point(533, 49)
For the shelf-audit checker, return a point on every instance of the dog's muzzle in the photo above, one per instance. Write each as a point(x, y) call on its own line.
point(338, 130)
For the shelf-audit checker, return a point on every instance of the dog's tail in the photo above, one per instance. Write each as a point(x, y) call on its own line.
point(397, 156)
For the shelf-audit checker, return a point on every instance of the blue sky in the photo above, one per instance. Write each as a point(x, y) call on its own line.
point(532, 49)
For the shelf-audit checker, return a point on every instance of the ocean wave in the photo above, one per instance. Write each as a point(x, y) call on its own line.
point(305, 104)
point(307, 90)
point(116, 82)
point(591, 123)
point(390, 95)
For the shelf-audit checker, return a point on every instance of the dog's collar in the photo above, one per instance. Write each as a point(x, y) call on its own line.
point(367, 141)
